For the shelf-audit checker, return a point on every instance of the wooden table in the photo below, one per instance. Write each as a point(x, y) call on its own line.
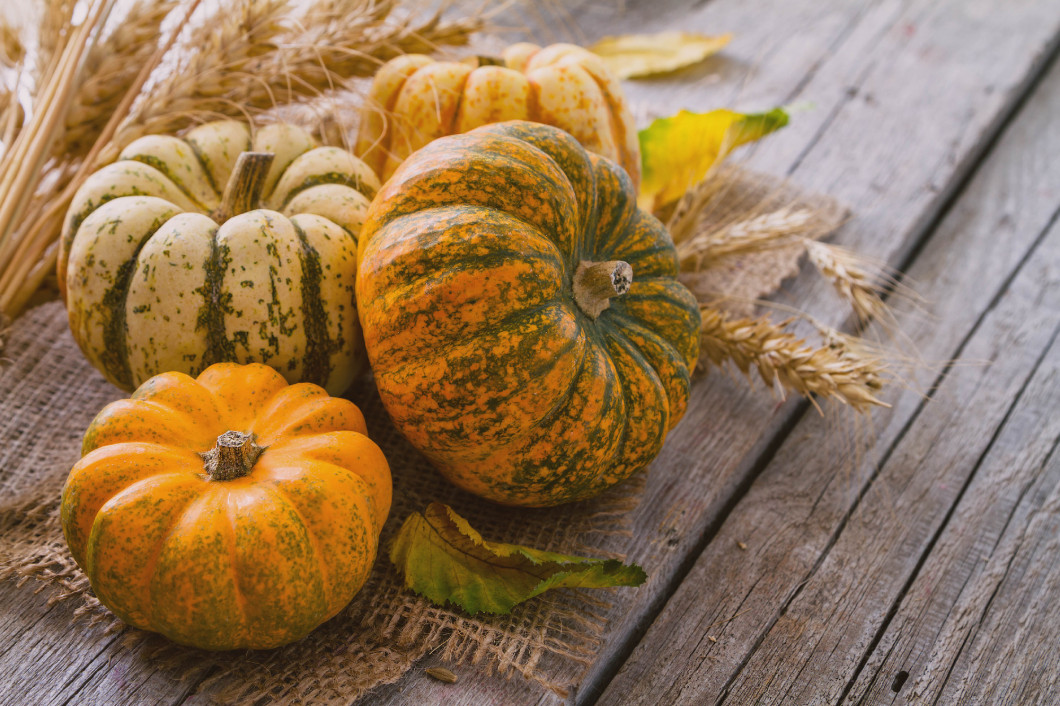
point(784, 568)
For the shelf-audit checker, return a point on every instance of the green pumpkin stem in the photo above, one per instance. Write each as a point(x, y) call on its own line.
point(595, 283)
point(233, 456)
point(244, 187)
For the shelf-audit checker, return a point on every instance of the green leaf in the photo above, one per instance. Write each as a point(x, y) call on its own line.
point(444, 559)
point(639, 55)
point(678, 152)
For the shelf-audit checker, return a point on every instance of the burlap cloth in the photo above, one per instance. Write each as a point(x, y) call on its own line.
point(49, 393)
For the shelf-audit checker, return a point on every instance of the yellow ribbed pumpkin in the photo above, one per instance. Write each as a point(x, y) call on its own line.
point(416, 99)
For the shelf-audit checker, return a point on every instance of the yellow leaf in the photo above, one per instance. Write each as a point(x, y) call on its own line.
point(638, 55)
point(678, 152)
point(444, 559)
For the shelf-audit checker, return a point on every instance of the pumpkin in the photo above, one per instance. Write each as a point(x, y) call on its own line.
point(218, 246)
point(229, 511)
point(522, 316)
point(562, 85)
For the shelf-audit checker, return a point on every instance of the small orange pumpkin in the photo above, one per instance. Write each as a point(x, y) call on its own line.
point(231, 511)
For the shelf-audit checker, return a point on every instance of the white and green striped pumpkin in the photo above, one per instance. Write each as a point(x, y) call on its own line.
point(219, 246)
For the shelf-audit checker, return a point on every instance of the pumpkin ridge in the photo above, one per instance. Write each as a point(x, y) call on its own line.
point(216, 305)
point(563, 151)
point(339, 178)
point(400, 359)
point(273, 470)
point(678, 361)
point(508, 321)
point(165, 409)
point(476, 365)
point(640, 327)
point(149, 567)
point(230, 544)
point(618, 109)
point(560, 399)
point(623, 341)
point(131, 189)
point(650, 255)
point(454, 210)
point(115, 357)
point(537, 372)
point(161, 166)
point(205, 167)
point(296, 419)
point(451, 127)
point(525, 476)
point(98, 470)
point(676, 300)
point(316, 362)
point(277, 491)
point(490, 186)
point(396, 293)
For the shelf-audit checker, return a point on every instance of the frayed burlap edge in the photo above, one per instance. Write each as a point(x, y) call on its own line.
point(762, 222)
point(51, 393)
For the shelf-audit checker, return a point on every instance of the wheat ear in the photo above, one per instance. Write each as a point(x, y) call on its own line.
point(110, 69)
point(782, 359)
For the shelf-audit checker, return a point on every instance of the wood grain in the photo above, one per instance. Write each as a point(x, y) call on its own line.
point(977, 625)
point(829, 547)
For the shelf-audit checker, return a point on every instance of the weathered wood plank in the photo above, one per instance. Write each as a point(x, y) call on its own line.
point(45, 658)
point(823, 564)
point(813, 649)
point(984, 594)
point(1012, 657)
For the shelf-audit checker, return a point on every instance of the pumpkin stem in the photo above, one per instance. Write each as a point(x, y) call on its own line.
point(483, 60)
point(244, 187)
point(233, 456)
point(596, 282)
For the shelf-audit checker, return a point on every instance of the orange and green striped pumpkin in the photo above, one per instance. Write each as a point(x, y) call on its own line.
point(524, 321)
point(415, 99)
point(232, 511)
point(219, 246)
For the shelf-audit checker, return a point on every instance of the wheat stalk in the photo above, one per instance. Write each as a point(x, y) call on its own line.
point(21, 277)
point(225, 44)
point(262, 60)
point(765, 232)
point(56, 16)
point(22, 163)
point(840, 372)
point(235, 61)
point(850, 278)
point(110, 69)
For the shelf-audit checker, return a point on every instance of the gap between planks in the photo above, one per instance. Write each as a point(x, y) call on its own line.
point(959, 218)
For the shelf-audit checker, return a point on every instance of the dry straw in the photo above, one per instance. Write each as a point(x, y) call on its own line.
point(96, 86)
point(738, 236)
point(836, 370)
